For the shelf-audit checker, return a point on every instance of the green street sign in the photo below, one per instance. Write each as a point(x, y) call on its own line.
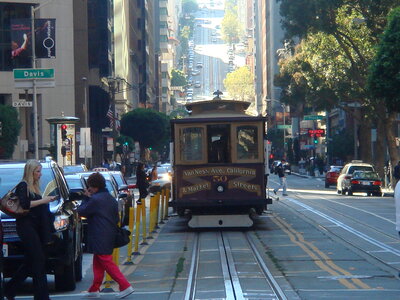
point(33, 74)
point(284, 126)
point(313, 117)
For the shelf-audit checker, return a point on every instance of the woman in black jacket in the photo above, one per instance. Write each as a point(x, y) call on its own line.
point(101, 211)
point(35, 231)
point(141, 181)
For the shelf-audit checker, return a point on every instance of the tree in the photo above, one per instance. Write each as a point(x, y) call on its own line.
point(149, 127)
point(335, 20)
point(189, 6)
point(178, 78)
point(240, 84)
point(230, 27)
point(384, 79)
point(9, 132)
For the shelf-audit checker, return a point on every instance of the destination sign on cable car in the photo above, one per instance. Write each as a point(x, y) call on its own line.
point(316, 132)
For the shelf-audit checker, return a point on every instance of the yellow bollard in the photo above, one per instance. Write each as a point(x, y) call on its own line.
point(165, 215)
point(144, 225)
point(137, 228)
point(130, 225)
point(151, 214)
point(162, 206)
point(157, 201)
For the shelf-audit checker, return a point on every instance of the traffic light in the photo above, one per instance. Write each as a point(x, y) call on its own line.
point(271, 156)
point(63, 151)
point(63, 132)
point(315, 141)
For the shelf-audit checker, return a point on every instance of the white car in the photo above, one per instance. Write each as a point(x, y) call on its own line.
point(197, 84)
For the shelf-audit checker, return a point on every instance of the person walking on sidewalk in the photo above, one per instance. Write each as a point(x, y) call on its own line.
point(101, 211)
point(282, 178)
point(34, 230)
point(141, 182)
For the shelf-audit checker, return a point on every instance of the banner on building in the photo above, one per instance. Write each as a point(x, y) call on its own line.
point(21, 39)
point(45, 38)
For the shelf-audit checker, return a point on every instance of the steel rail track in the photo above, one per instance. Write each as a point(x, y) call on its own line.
point(232, 285)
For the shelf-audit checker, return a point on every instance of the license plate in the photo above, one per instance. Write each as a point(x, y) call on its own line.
point(365, 183)
point(5, 250)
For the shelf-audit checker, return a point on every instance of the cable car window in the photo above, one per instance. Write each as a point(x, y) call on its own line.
point(192, 144)
point(218, 137)
point(247, 142)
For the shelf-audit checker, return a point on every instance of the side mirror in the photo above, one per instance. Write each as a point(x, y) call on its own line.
point(76, 194)
point(123, 187)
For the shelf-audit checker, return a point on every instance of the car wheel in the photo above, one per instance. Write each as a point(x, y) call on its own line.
point(326, 185)
point(343, 191)
point(378, 194)
point(181, 212)
point(349, 192)
point(259, 210)
point(339, 192)
point(64, 277)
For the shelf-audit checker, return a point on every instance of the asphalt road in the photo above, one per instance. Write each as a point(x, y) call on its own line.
point(316, 244)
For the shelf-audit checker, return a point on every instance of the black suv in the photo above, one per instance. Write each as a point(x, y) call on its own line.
point(65, 254)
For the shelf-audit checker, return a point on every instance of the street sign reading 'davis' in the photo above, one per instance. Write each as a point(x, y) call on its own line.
point(26, 74)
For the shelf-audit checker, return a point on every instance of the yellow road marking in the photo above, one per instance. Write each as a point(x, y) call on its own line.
point(329, 266)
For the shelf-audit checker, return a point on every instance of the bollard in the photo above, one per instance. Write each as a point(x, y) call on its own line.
point(153, 214)
point(144, 234)
point(137, 229)
point(157, 201)
point(162, 206)
point(166, 204)
point(129, 251)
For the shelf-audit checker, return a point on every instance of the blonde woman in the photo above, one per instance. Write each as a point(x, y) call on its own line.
point(34, 230)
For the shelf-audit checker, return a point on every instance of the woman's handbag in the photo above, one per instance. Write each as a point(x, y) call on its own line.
point(122, 237)
point(10, 205)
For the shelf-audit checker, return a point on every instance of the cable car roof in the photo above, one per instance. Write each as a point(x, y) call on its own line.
point(226, 108)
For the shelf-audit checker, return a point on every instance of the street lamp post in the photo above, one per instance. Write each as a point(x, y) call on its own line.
point(113, 85)
point(86, 110)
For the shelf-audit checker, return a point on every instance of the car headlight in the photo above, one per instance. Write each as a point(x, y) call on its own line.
point(61, 222)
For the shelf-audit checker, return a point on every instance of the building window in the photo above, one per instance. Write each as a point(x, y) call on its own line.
point(8, 12)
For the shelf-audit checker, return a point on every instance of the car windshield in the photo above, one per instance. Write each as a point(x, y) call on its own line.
point(118, 178)
point(73, 169)
point(74, 183)
point(365, 175)
point(352, 169)
point(162, 170)
point(9, 177)
point(335, 169)
point(110, 188)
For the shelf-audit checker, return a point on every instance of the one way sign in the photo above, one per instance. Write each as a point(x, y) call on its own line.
point(22, 103)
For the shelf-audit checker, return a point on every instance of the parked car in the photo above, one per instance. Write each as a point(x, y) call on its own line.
point(332, 175)
point(366, 182)
point(197, 84)
point(72, 169)
point(343, 181)
point(124, 187)
point(64, 255)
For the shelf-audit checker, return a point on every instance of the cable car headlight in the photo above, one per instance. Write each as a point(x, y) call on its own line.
point(220, 188)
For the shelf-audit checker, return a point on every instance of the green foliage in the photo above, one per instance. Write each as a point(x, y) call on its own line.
point(10, 130)
point(149, 127)
point(240, 84)
point(189, 6)
point(230, 27)
point(384, 76)
point(178, 78)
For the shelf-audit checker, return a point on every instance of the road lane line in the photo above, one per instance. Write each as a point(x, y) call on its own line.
point(360, 209)
point(294, 236)
point(347, 228)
